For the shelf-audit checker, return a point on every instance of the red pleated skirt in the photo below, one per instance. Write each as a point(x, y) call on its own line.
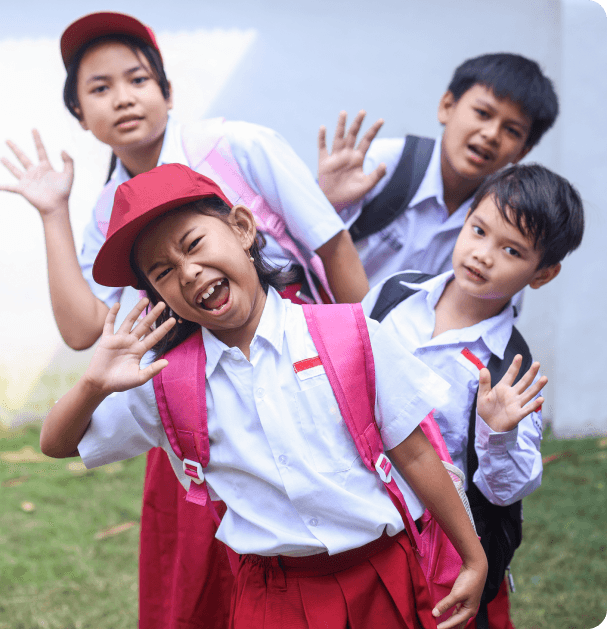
point(498, 611)
point(386, 589)
point(185, 580)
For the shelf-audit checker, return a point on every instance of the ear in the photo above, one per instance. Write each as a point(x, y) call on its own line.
point(445, 107)
point(244, 222)
point(545, 275)
point(80, 118)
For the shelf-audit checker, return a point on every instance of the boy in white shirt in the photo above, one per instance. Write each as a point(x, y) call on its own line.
point(521, 224)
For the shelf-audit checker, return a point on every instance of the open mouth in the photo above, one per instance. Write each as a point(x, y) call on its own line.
point(215, 296)
point(127, 120)
point(476, 275)
point(481, 153)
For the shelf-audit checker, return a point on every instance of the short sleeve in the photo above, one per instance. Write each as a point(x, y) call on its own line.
point(273, 169)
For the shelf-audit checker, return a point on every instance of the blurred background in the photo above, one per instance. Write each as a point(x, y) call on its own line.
point(293, 66)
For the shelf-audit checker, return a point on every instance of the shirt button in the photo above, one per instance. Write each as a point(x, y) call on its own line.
point(282, 459)
point(260, 392)
point(313, 522)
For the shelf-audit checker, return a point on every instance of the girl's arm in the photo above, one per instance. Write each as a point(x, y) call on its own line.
point(114, 367)
point(78, 313)
point(417, 461)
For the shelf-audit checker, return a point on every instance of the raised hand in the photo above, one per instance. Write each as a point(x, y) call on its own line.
point(340, 173)
point(115, 364)
point(506, 404)
point(45, 188)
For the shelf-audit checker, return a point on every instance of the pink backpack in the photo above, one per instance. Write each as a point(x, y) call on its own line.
point(341, 337)
point(209, 153)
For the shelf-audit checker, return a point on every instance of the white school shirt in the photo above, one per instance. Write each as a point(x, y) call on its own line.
point(281, 457)
point(270, 167)
point(510, 463)
point(424, 235)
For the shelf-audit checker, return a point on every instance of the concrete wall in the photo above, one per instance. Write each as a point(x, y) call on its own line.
point(298, 65)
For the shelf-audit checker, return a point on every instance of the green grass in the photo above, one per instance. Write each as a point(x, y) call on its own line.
point(55, 574)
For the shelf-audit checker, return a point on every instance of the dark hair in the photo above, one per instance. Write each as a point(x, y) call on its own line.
point(268, 275)
point(541, 205)
point(70, 89)
point(514, 77)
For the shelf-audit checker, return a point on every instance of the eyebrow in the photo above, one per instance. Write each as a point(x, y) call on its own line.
point(160, 263)
point(484, 103)
point(107, 77)
point(516, 244)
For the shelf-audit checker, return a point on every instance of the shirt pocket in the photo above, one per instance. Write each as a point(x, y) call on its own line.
point(329, 443)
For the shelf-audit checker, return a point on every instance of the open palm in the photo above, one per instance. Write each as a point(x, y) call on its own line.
point(40, 184)
point(506, 404)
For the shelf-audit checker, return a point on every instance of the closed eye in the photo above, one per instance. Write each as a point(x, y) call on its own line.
point(162, 274)
point(99, 89)
point(514, 132)
point(194, 243)
point(482, 113)
point(139, 80)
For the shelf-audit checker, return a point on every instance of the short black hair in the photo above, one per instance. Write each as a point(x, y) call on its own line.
point(541, 205)
point(138, 46)
point(268, 275)
point(514, 77)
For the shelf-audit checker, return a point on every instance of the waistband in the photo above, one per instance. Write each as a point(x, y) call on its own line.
point(323, 563)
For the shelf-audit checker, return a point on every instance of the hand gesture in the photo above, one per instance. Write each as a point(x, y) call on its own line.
point(465, 597)
point(115, 364)
point(340, 174)
point(45, 188)
point(504, 406)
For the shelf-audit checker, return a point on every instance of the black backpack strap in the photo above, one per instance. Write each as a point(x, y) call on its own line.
point(394, 199)
point(500, 528)
point(393, 292)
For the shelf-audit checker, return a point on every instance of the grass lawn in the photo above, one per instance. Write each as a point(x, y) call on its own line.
point(66, 563)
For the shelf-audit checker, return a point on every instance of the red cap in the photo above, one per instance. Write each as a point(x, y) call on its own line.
point(97, 25)
point(138, 202)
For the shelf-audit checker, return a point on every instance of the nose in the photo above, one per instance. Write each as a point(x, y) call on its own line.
point(483, 254)
point(491, 130)
point(189, 271)
point(123, 96)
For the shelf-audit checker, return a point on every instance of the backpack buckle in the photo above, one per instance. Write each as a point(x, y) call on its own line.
point(384, 468)
point(196, 474)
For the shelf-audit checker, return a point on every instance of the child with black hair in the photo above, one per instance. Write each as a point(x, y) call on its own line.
point(405, 201)
point(319, 540)
point(522, 222)
point(117, 88)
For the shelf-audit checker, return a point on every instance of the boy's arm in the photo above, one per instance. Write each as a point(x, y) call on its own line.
point(508, 435)
point(340, 173)
point(115, 367)
point(78, 313)
point(273, 169)
point(419, 464)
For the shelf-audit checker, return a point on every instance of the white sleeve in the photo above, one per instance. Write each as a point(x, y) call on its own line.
point(386, 150)
point(123, 426)
point(93, 239)
point(274, 171)
point(509, 463)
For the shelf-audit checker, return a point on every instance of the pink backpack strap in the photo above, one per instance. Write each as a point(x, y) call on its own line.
point(182, 404)
point(341, 337)
point(209, 153)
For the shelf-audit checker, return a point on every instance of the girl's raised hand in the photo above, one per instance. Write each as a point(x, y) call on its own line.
point(340, 173)
point(115, 364)
point(506, 404)
point(45, 188)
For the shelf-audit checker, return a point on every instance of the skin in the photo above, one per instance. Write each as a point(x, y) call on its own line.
point(497, 128)
point(492, 262)
point(181, 254)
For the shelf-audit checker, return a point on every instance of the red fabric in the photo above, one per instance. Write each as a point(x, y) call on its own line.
point(472, 358)
point(308, 363)
point(185, 580)
point(498, 611)
point(386, 590)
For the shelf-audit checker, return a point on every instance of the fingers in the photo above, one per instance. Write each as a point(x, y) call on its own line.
point(355, 128)
point(512, 371)
point(461, 613)
point(322, 142)
point(13, 169)
point(529, 377)
point(156, 335)
point(484, 383)
point(376, 175)
point(19, 154)
point(370, 136)
point(532, 407)
point(152, 370)
point(110, 319)
point(458, 619)
point(42, 156)
point(340, 129)
point(68, 164)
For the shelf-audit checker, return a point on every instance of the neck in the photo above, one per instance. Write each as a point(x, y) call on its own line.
point(456, 189)
point(456, 310)
point(140, 159)
point(242, 337)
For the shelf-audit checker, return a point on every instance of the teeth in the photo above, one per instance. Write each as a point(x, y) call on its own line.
point(210, 291)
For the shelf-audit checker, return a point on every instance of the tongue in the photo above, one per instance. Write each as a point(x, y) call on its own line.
point(219, 297)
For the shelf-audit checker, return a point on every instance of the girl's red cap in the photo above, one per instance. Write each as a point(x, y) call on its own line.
point(138, 202)
point(97, 25)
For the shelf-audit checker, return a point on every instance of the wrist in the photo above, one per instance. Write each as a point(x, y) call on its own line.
point(92, 388)
point(57, 212)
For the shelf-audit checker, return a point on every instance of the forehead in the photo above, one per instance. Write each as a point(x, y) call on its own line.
point(109, 55)
point(489, 213)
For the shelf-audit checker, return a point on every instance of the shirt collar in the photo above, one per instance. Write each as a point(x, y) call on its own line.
point(271, 329)
point(495, 332)
point(171, 152)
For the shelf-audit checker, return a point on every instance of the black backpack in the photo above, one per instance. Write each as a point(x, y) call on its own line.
point(394, 199)
point(500, 528)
